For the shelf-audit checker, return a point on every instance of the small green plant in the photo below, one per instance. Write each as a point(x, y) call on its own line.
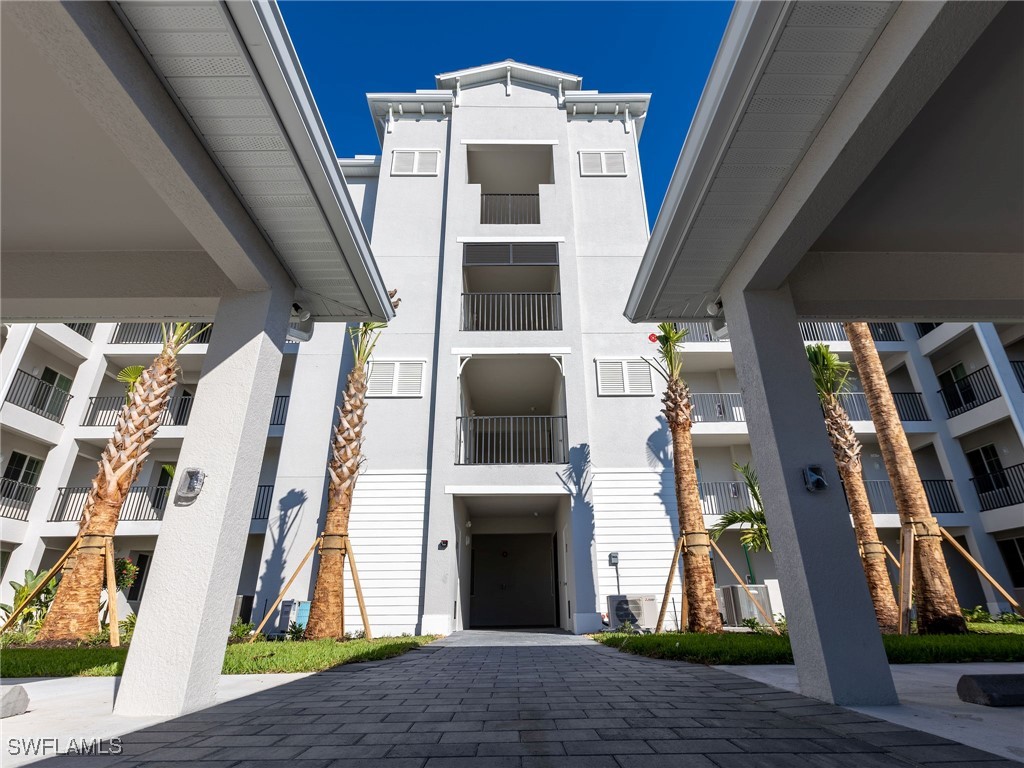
point(125, 572)
point(17, 637)
point(33, 615)
point(241, 629)
point(127, 627)
point(1009, 617)
point(296, 631)
point(977, 614)
point(629, 628)
point(359, 634)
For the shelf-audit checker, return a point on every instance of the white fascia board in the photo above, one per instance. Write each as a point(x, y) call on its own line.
point(500, 67)
point(606, 98)
point(512, 239)
point(742, 56)
point(267, 42)
point(418, 96)
point(520, 142)
point(505, 490)
point(511, 351)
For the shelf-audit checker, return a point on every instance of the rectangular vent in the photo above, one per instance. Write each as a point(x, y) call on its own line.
point(415, 162)
point(395, 378)
point(510, 254)
point(602, 163)
point(624, 377)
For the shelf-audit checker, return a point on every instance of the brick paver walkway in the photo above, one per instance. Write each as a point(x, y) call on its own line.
point(527, 700)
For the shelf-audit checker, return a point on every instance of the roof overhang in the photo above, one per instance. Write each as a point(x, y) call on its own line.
point(591, 104)
point(802, 103)
point(500, 70)
point(387, 107)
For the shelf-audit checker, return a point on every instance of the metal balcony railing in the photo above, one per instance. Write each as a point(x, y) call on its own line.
point(16, 498)
point(968, 393)
point(144, 502)
point(264, 500)
point(826, 331)
point(909, 406)
point(82, 329)
point(509, 209)
point(940, 495)
point(511, 312)
point(1018, 371)
point(511, 440)
point(279, 412)
point(717, 406)
point(880, 497)
point(699, 331)
point(149, 333)
point(1000, 489)
point(34, 394)
point(923, 329)
point(717, 498)
point(103, 411)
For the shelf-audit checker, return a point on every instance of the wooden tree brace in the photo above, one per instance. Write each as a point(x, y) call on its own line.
point(699, 541)
point(926, 528)
point(280, 596)
point(985, 574)
point(334, 542)
point(762, 611)
point(42, 585)
point(115, 629)
point(668, 584)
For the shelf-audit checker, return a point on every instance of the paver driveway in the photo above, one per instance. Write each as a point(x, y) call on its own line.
point(525, 700)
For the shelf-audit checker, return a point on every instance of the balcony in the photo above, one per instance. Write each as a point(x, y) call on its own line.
point(923, 329)
point(909, 406)
point(510, 209)
point(279, 412)
point(1000, 489)
point(968, 393)
point(15, 499)
point(35, 395)
point(103, 411)
point(511, 440)
point(149, 333)
point(264, 501)
point(527, 311)
point(1018, 371)
point(819, 331)
point(144, 503)
point(717, 406)
point(717, 498)
point(940, 494)
point(700, 331)
point(82, 329)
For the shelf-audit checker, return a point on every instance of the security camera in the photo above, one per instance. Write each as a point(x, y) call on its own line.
point(814, 478)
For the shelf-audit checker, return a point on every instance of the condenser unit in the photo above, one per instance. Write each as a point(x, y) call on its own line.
point(638, 610)
point(293, 611)
point(738, 606)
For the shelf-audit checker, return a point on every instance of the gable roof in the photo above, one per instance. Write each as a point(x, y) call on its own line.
point(499, 70)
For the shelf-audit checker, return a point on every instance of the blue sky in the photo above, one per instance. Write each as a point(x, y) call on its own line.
point(666, 48)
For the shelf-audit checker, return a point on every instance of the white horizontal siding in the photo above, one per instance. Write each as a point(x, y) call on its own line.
point(386, 531)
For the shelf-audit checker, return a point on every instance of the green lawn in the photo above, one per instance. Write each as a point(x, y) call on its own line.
point(996, 628)
point(240, 659)
point(735, 648)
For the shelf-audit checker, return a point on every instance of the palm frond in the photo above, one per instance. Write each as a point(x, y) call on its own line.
point(750, 480)
point(128, 376)
point(754, 528)
point(831, 375)
point(669, 337)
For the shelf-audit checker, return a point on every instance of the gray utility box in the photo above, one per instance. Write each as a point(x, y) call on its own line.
point(736, 605)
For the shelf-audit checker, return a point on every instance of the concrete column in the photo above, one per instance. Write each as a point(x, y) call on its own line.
point(178, 648)
point(18, 337)
point(1006, 381)
point(836, 643)
point(301, 480)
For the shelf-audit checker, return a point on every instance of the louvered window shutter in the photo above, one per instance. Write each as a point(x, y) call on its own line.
point(410, 379)
point(590, 164)
point(403, 163)
point(610, 378)
point(395, 378)
point(624, 377)
point(615, 163)
point(602, 163)
point(426, 163)
point(638, 377)
point(381, 382)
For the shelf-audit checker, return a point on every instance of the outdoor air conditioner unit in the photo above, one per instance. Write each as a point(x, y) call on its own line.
point(738, 605)
point(638, 610)
point(296, 611)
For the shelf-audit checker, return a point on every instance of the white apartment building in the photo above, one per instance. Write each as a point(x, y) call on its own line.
point(518, 468)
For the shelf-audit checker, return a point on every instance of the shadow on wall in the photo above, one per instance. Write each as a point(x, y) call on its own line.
point(659, 457)
point(289, 509)
point(577, 481)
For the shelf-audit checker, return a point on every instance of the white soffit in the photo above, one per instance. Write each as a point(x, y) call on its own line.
point(251, 107)
point(778, 74)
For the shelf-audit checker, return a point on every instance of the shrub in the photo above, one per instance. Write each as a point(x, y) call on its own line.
point(296, 631)
point(240, 630)
point(125, 572)
point(127, 627)
point(1009, 617)
point(977, 614)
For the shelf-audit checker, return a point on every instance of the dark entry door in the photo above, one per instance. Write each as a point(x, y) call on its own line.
point(512, 581)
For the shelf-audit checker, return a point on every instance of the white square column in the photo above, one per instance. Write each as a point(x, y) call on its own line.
point(177, 650)
point(836, 643)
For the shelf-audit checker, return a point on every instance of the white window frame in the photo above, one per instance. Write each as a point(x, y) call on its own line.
point(21, 472)
point(415, 162)
point(604, 162)
point(399, 362)
point(627, 392)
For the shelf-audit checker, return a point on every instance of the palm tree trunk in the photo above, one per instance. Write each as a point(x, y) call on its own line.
point(938, 611)
point(327, 612)
point(74, 614)
point(702, 613)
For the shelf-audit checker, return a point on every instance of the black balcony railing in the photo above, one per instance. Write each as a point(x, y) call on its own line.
point(34, 394)
point(923, 329)
point(511, 440)
point(885, 332)
point(717, 498)
point(16, 498)
point(717, 406)
point(144, 502)
point(1000, 489)
point(150, 333)
point(82, 329)
point(829, 331)
point(264, 500)
point(968, 393)
point(509, 209)
point(1018, 371)
point(700, 331)
point(880, 497)
point(511, 312)
point(941, 496)
point(280, 411)
point(103, 411)
point(909, 406)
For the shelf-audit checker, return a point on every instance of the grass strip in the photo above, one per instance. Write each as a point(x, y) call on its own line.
point(738, 648)
point(239, 659)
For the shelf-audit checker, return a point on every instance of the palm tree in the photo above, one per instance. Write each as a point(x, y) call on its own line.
point(327, 611)
point(938, 611)
point(74, 614)
point(831, 379)
point(702, 605)
point(754, 526)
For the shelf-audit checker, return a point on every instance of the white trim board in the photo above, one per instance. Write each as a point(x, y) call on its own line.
point(521, 142)
point(511, 351)
point(505, 490)
point(513, 239)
